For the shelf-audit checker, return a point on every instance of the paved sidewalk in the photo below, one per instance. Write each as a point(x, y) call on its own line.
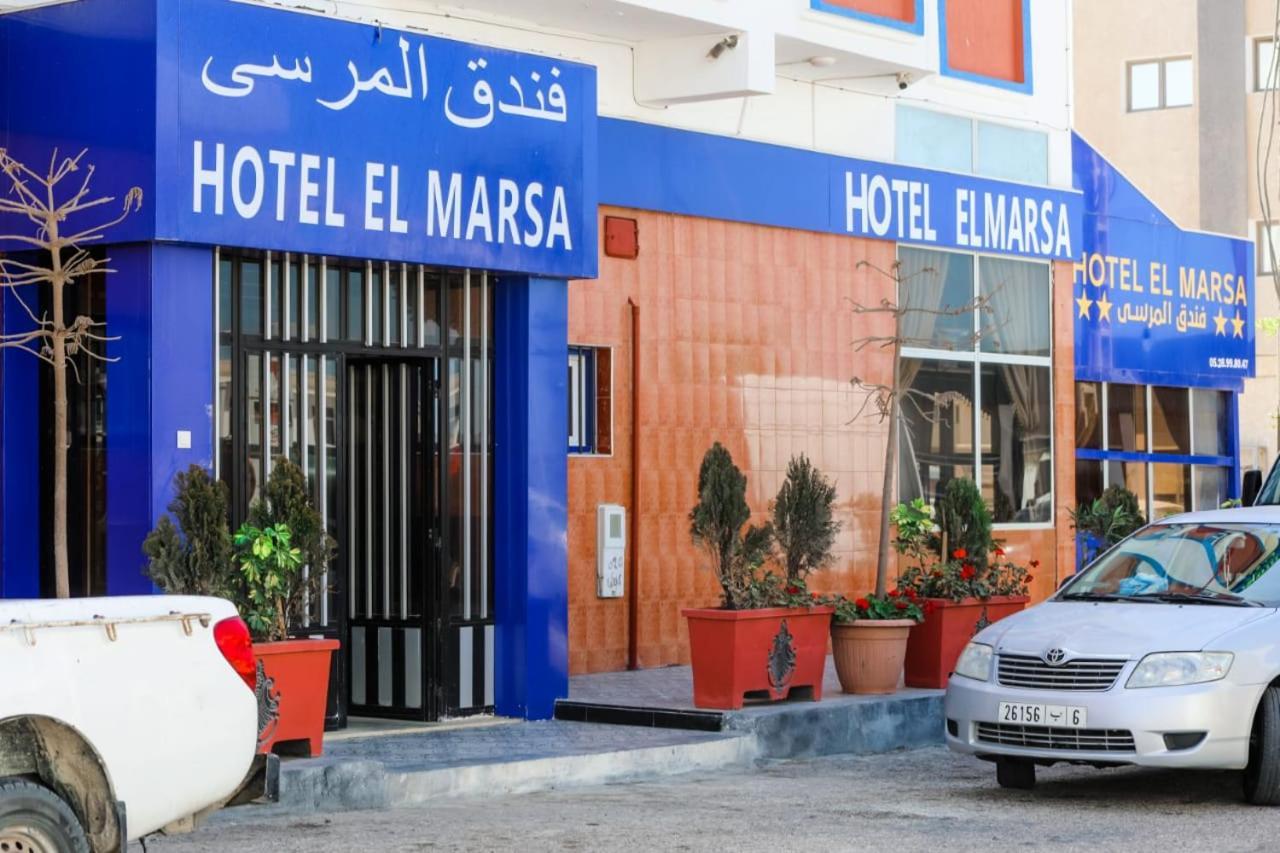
point(840, 723)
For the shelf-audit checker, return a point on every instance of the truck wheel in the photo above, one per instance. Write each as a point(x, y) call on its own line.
point(1262, 775)
point(1015, 773)
point(33, 819)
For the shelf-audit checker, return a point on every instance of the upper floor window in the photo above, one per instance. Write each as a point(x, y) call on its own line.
point(590, 400)
point(938, 140)
point(1158, 84)
point(1268, 236)
point(1264, 57)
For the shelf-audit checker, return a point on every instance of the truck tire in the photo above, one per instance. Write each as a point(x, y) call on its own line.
point(33, 819)
point(1262, 775)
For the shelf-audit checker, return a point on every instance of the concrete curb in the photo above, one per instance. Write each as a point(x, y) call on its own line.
point(326, 784)
point(865, 727)
point(571, 770)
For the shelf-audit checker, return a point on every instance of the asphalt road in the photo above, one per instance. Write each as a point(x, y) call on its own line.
point(922, 800)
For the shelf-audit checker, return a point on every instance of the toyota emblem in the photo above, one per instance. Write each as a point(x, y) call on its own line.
point(1055, 657)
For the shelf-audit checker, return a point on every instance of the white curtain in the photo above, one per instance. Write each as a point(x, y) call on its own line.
point(1018, 324)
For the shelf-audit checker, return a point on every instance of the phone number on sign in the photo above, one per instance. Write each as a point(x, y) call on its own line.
point(1217, 363)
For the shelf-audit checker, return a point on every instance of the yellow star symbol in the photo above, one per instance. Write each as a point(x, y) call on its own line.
point(1084, 302)
point(1220, 324)
point(1237, 326)
point(1104, 308)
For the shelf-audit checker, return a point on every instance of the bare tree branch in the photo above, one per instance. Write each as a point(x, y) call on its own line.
point(45, 202)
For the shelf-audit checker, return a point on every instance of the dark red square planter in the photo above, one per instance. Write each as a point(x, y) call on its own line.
point(768, 654)
point(936, 643)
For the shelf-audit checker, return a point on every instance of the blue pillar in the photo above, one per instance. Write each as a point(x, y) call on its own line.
point(19, 458)
point(531, 577)
point(160, 304)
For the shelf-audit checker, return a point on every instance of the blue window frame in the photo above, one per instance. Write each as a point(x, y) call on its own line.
point(1026, 86)
point(1175, 448)
point(915, 27)
point(582, 397)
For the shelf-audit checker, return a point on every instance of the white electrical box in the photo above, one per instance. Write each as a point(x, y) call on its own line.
point(611, 550)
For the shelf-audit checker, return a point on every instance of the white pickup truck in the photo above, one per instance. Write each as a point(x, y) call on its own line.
point(120, 717)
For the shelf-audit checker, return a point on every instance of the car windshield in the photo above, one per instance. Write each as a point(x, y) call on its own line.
point(1211, 563)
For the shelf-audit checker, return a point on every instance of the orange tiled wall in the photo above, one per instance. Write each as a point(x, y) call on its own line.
point(745, 338)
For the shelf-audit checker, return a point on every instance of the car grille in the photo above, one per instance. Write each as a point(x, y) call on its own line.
point(1067, 740)
point(1080, 674)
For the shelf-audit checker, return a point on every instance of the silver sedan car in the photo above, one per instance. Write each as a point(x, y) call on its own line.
point(1165, 652)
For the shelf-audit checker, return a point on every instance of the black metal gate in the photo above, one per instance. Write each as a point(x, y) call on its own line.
point(392, 536)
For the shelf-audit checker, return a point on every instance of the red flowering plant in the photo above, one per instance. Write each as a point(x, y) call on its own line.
point(958, 558)
point(898, 604)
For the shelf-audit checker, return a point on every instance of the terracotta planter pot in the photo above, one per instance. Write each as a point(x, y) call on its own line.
point(771, 653)
point(935, 645)
point(293, 689)
point(869, 653)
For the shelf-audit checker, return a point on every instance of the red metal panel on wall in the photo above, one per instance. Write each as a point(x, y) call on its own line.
point(898, 10)
point(985, 37)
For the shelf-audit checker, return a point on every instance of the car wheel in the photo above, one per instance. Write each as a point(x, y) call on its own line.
point(1015, 773)
point(1262, 775)
point(33, 819)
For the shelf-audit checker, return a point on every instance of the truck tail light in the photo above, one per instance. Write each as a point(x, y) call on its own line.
point(232, 637)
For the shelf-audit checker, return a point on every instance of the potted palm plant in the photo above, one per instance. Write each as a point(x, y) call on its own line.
point(869, 640)
point(960, 575)
point(768, 639)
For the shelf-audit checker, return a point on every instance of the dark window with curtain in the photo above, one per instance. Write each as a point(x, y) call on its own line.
point(976, 357)
point(1088, 416)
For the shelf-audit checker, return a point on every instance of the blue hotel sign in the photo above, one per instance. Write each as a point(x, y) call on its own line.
point(940, 208)
point(296, 132)
point(1154, 303)
point(719, 177)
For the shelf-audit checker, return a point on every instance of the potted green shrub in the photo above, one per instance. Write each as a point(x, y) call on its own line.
point(768, 639)
point(869, 640)
point(193, 556)
point(192, 552)
point(283, 551)
point(960, 575)
point(1103, 522)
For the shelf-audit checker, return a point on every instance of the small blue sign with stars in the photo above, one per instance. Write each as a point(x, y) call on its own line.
point(1154, 303)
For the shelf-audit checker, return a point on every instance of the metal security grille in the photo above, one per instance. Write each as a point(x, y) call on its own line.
point(1080, 674)
point(375, 378)
point(1067, 740)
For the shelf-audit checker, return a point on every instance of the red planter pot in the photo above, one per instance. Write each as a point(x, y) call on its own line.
point(771, 653)
point(293, 689)
point(936, 643)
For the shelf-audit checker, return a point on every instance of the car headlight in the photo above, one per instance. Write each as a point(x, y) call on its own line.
point(975, 662)
point(1171, 669)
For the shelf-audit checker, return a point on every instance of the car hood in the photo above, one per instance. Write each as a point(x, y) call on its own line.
point(1114, 629)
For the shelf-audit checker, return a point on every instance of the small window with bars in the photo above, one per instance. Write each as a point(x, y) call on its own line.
point(590, 400)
